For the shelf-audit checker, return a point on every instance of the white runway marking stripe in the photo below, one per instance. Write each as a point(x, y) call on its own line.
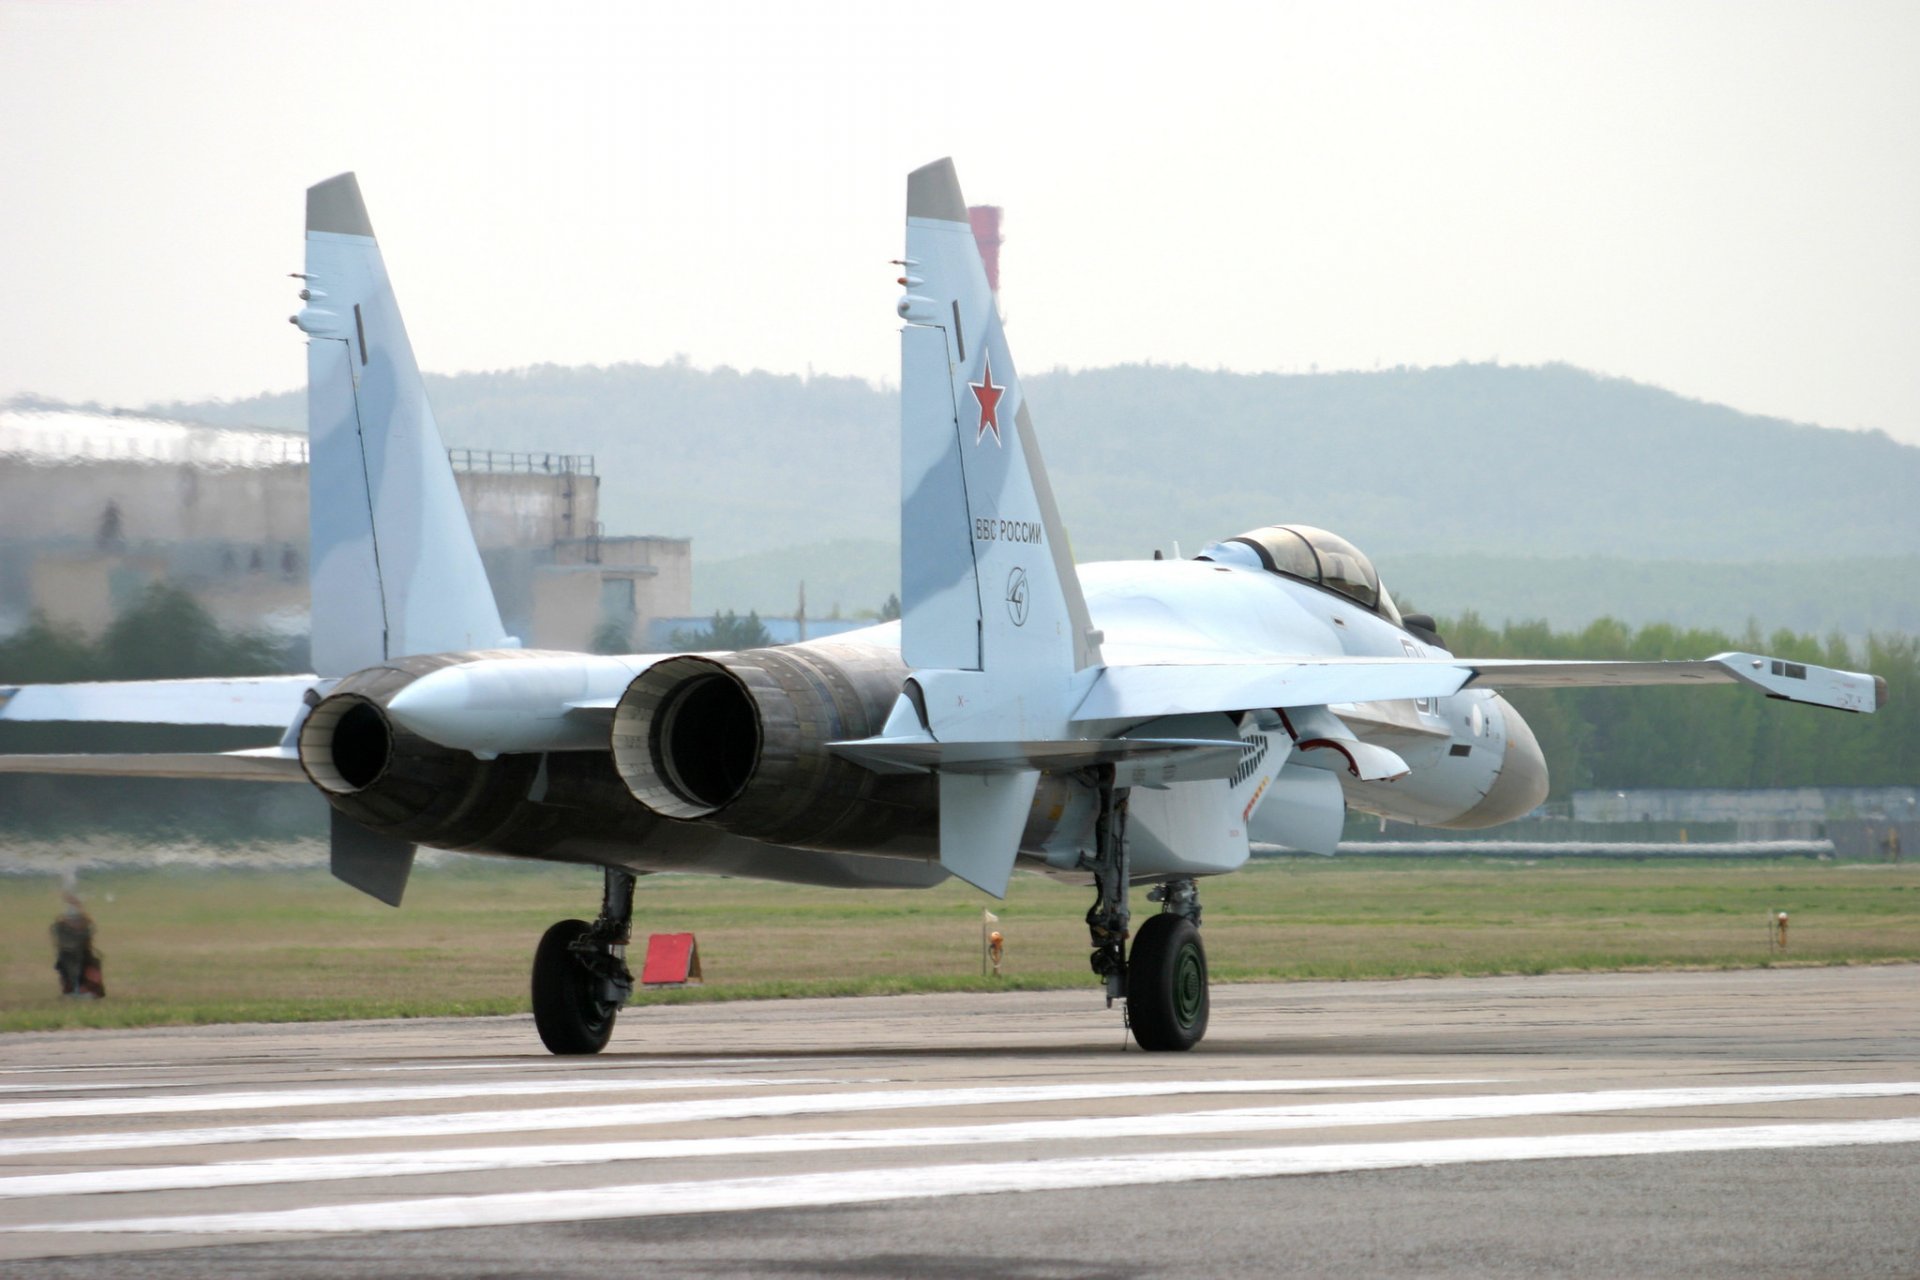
point(1088, 1128)
point(351, 1095)
point(647, 1200)
point(82, 1088)
point(628, 1063)
point(645, 1113)
point(117, 1069)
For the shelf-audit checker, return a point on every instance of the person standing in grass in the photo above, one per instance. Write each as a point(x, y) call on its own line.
point(74, 958)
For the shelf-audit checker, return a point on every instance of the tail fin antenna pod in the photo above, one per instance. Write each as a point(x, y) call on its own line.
point(394, 567)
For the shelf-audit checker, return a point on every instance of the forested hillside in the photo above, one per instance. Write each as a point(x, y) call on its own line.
point(1545, 461)
point(1855, 596)
point(1518, 492)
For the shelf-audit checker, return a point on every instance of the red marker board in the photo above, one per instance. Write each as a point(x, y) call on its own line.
point(673, 960)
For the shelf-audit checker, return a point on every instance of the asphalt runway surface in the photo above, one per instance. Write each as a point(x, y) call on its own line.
point(1760, 1123)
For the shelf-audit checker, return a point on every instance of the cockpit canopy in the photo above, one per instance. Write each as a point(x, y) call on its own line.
point(1310, 554)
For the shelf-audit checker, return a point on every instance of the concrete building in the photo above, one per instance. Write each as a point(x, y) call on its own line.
point(1860, 822)
point(659, 634)
point(96, 506)
point(1772, 804)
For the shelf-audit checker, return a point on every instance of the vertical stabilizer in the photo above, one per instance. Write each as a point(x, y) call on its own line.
point(992, 616)
point(395, 570)
point(987, 576)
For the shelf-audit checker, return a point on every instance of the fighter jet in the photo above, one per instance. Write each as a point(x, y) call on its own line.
point(1124, 724)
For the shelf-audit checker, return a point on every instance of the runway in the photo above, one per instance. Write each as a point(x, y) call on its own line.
point(1753, 1123)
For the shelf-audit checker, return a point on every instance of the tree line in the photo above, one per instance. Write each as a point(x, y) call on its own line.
point(166, 634)
point(1717, 736)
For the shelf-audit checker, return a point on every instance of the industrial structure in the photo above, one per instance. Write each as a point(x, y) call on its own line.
point(101, 505)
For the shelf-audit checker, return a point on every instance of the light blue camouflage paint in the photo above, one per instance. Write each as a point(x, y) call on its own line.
point(395, 570)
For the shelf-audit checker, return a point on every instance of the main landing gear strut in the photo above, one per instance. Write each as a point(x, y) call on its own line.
point(1164, 980)
point(580, 974)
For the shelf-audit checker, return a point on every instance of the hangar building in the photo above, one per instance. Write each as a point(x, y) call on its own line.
point(98, 505)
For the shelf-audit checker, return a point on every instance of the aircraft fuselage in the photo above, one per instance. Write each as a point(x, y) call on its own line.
point(500, 770)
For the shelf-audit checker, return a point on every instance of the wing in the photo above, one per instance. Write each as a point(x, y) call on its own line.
point(261, 764)
point(1789, 681)
point(260, 702)
point(1147, 691)
point(264, 702)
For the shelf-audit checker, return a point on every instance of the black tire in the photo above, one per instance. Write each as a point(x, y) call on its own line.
point(566, 1003)
point(1167, 1000)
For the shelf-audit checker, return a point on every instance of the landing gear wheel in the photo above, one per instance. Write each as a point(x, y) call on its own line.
point(567, 1008)
point(1167, 984)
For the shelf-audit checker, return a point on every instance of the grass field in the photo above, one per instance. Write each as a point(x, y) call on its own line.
point(188, 946)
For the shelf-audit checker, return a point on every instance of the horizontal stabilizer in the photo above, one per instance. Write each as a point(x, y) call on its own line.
point(263, 764)
point(1162, 759)
point(982, 817)
point(263, 702)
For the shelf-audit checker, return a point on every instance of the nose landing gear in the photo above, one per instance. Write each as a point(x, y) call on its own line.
point(1164, 978)
point(580, 974)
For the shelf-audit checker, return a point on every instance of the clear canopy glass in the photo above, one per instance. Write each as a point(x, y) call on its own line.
point(1312, 555)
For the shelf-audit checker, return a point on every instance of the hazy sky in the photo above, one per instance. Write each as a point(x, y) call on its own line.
point(1723, 199)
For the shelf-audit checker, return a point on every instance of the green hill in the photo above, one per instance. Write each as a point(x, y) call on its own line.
point(1515, 491)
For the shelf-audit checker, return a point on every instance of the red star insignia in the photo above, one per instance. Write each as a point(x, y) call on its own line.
point(989, 397)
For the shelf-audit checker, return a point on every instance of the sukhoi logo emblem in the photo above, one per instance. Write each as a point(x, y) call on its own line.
point(1017, 597)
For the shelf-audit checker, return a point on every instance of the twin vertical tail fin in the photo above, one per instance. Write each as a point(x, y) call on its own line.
point(991, 609)
point(394, 566)
point(395, 569)
point(987, 577)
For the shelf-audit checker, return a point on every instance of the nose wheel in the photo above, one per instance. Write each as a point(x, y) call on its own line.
point(580, 974)
point(1163, 978)
point(1167, 1000)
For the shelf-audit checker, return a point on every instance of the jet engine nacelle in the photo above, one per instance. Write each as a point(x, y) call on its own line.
point(739, 740)
point(391, 780)
point(1490, 772)
point(1519, 782)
